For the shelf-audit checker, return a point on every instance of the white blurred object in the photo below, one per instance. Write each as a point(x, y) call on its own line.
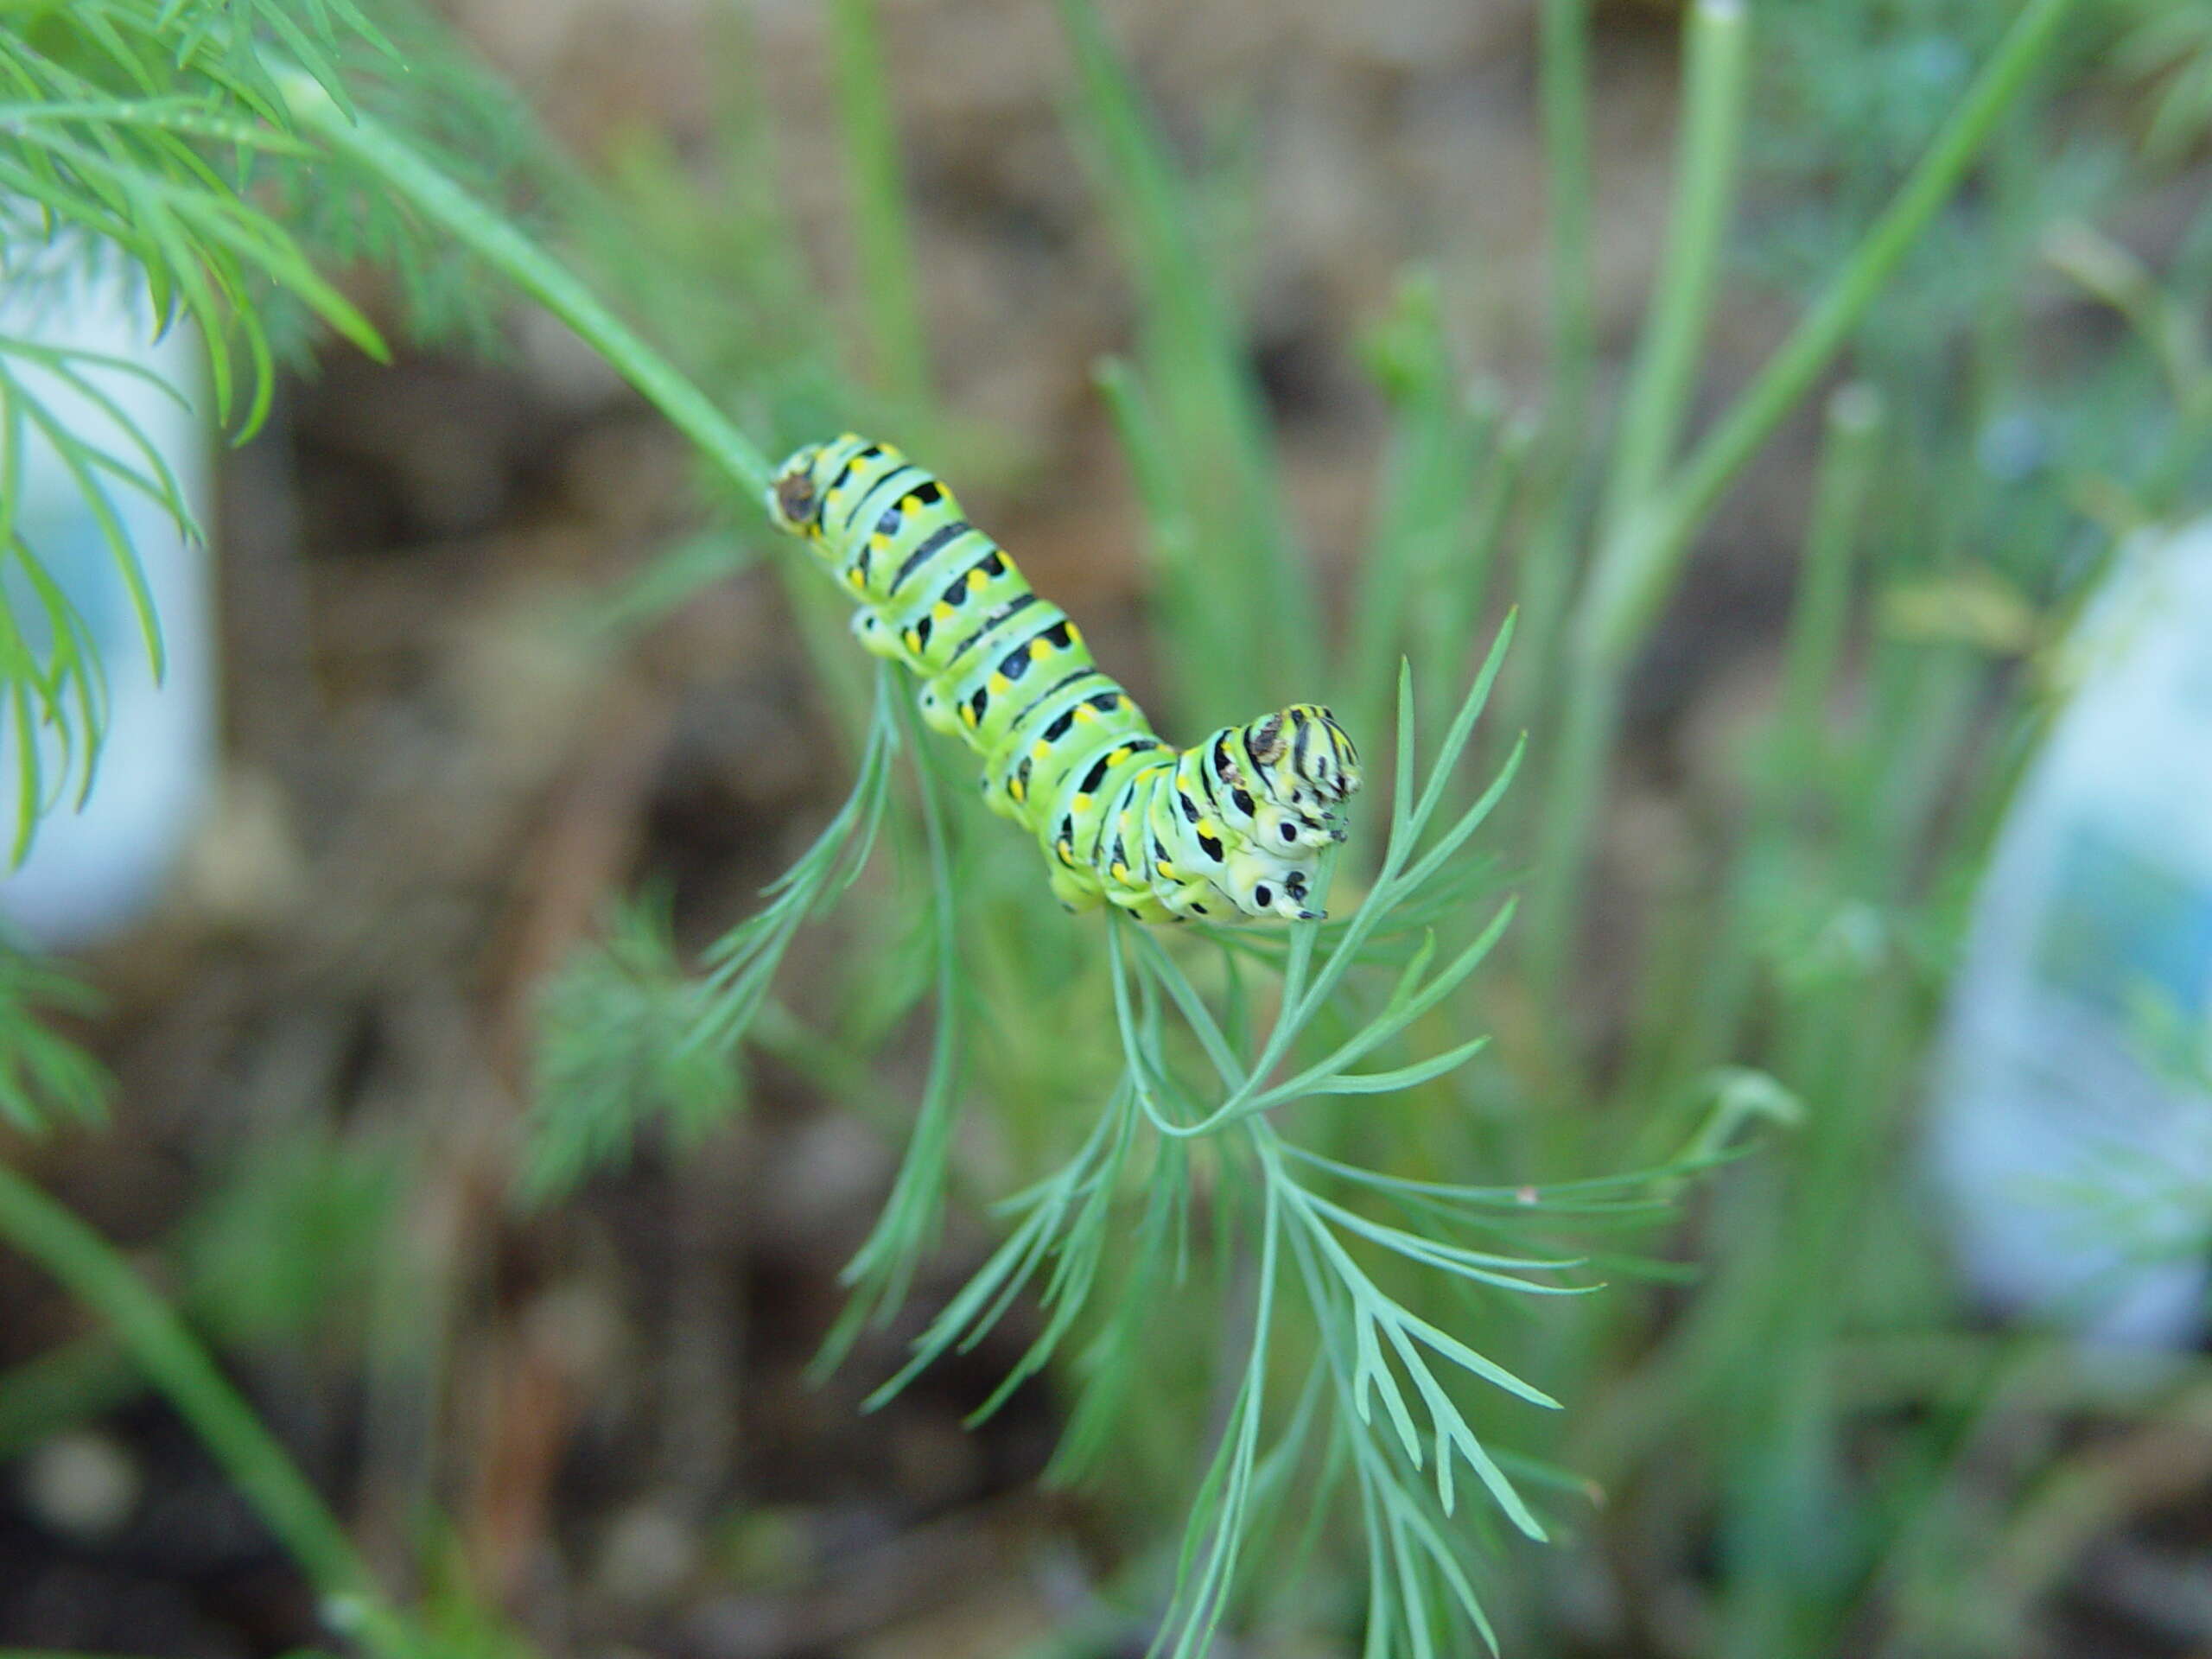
point(91, 870)
point(2072, 1128)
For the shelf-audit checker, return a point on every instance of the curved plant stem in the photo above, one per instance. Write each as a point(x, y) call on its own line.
point(1647, 541)
point(1716, 85)
point(1787, 376)
point(227, 1426)
point(489, 236)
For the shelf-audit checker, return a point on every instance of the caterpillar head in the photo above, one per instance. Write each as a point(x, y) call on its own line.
point(1262, 885)
point(795, 499)
point(1307, 768)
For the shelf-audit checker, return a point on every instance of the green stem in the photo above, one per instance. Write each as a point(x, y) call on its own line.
point(1572, 799)
point(1790, 373)
point(1714, 95)
point(1822, 613)
point(1713, 91)
point(883, 237)
point(1792, 757)
point(1644, 547)
point(1563, 90)
point(1546, 575)
point(1443, 645)
point(226, 1424)
point(1201, 632)
point(489, 236)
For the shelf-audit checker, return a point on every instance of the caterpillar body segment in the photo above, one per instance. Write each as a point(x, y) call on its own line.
point(1227, 828)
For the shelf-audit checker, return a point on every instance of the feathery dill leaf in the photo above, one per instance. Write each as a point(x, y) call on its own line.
point(44, 1077)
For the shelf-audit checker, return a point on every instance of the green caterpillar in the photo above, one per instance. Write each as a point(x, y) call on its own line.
point(1227, 828)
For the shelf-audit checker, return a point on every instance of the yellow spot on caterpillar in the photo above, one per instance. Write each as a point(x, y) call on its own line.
point(1118, 756)
point(914, 640)
point(856, 578)
point(1040, 649)
point(848, 437)
point(879, 542)
point(1085, 713)
point(1206, 827)
point(1062, 850)
point(911, 503)
point(942, 611)
point(1081, 804)
point(1016, 789)
point(1166, 869)
point(1000, 685)
point(975, 580)
point(1121, 872)
point(1075, 634)
point(968, 713)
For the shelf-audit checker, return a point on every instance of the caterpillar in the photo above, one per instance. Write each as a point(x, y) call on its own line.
point(1227, 828)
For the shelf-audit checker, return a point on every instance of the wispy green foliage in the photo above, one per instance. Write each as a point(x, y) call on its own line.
point(1229, 1170)
point(291, 1240)
point(44, 1077)
point(883, 1269)
point(629, 1037)
point(622, 1023)
point(66, 407)
point(151, 162)
point(1338, 1305)
point(137, 126)
point(1303, 1226)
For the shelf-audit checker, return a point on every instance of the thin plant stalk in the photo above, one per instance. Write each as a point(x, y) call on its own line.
point(227, 1425)
point(1822, 616)
point(1464, 584)
point(1563, 86)
point(1720, 953)
point(1715, 90)
point(1549, 565)
point(1644, 555)
point(521, 261)
point(882, 234)
point(1715, 87)
point(1783, 383)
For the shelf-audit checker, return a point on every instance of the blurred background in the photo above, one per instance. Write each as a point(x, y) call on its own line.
point(1918, 873)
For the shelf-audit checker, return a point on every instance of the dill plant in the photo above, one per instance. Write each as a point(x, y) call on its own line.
point(1219, 1151)
point(1227, 1149)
